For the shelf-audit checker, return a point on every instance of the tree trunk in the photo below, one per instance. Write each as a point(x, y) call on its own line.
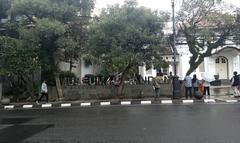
point(59, 87)
point(71, 66)
point(121, 83)
point(29, 85)
point(194, 65)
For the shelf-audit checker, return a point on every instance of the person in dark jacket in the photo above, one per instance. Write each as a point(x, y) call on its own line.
point(235, 84)
point(195, 83)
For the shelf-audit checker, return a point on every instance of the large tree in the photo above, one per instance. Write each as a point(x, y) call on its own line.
point(205, 25)
point(125, 37)
point(236, 33)
point(50, 21)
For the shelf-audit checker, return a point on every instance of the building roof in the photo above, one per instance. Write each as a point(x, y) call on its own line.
point(226, 49)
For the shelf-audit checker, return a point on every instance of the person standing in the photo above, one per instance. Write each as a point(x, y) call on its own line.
point(195, 84)
point(235, 84)
point(170, 77)
point(206, 90)
point(44, 92)
point(156, 86)
point(188, 86)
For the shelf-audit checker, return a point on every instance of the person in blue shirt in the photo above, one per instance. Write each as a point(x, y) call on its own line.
point(188, 86)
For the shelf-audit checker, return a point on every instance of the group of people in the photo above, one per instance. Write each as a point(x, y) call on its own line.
point(199, 87)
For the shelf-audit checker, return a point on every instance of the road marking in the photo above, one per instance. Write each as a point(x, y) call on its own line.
point(231, 101)
point(86, 104)
point(9, 107)
point(166, 102)
point(188, 101)
point(66, 105)
point(105, 103)
point(146, 102)
point(125, 102)
point(209, 101)
point(27, 106)
point(46, 105)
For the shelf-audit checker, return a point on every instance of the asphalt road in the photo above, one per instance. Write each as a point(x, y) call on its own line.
point(197, 123)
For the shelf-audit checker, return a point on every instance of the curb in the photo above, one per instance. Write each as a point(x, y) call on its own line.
point(112, 103)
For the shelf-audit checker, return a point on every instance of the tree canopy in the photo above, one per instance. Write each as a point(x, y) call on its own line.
point(126, 37)
point(205, 26)
point(38, 27)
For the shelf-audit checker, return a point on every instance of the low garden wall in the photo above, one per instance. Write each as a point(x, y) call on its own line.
point(85, 92)
point(106, 92)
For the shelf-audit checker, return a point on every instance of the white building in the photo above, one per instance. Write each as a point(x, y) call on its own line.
point(224, 61)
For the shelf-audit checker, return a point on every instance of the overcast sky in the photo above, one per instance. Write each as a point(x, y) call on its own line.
point(164, 5)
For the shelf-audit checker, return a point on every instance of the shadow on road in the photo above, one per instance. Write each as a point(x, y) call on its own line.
point(18, 132)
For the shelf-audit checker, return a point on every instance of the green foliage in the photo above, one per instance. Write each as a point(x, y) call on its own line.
point(126, 37)
point(37, 29)
point(53, 21)
point(49, 28)
point(17, 57)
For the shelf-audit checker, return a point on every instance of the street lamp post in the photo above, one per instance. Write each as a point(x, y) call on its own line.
point(175, 81)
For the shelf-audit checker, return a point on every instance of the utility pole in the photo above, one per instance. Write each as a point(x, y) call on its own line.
point(1, 89)
point(175, 81)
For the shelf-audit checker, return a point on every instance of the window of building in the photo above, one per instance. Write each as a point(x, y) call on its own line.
point(217, 60)
point(223, 60)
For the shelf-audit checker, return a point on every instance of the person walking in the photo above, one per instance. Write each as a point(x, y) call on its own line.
point(156, 86)
point(188, 86)
point(44, 92)
point(235, 84)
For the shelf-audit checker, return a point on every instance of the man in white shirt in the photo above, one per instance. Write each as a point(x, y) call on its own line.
point(44, 92)
point(206, 91)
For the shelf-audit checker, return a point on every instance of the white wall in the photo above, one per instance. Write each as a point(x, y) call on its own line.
point(147, 73)
point(209, 65)
point(80, 70)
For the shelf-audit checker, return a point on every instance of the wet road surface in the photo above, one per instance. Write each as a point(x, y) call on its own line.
point(197, 123)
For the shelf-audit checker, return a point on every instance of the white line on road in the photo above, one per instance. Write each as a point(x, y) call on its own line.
point(66, 105)
point(188, 101)
point(46, 105)
point(9, 107)
point(209, 100)
point(125, 102)
point(27, 106)
point(86, 104)
point(105, 103)
point(231, 101)
point(146, 102)
point(166, 102)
